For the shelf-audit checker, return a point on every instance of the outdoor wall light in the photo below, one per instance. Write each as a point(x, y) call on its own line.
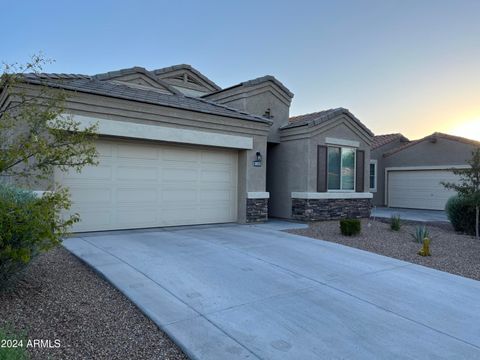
point(258, 160)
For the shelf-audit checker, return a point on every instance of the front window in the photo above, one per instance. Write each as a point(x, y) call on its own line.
point(373, 175)
point(341, 168)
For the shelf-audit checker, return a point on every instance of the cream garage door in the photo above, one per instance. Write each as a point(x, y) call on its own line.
point(138, 185)
point(419, 189)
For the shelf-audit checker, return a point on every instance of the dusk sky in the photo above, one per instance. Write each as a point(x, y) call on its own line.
point(410, 66)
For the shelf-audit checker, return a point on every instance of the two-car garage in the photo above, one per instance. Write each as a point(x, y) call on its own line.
point(419, 188)
point(147, 184)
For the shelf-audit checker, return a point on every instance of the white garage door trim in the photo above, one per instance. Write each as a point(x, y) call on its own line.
point(413, 169)
point(141, 184)
point(163, 133)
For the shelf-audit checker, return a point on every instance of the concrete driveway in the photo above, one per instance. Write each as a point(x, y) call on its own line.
point(253, 292)
point(411, 214)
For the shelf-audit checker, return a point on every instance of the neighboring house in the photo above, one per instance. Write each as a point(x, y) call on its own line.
point(380, 145)
point(176, 149)
point(409, 173)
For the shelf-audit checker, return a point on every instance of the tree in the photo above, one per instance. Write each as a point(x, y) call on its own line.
point(37, 136)
point(469, 184)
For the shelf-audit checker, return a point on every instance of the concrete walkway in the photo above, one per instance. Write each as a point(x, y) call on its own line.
point(411, 214)
point(253, 292)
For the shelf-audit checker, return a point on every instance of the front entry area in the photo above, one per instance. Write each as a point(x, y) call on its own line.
point(144, 184)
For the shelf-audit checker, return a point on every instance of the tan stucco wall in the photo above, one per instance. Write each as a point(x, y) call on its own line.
point(294, 161)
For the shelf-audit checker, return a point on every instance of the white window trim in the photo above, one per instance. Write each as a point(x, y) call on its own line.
point(342, 142)
point(341, 163)
point(375, 162)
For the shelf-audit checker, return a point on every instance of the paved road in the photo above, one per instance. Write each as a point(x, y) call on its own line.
point(253, 292)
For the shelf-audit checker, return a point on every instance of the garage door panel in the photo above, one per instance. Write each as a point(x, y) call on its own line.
point(137, 216)
point(100, 172)
point(137, 195)
point(91, 195)
point(419, 189)
point(146, 185)
point(179, 174)
point(140, 152)
point(138, 173)
point(179, 156)
point(175, 195)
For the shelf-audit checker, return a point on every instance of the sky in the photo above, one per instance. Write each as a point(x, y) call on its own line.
point(409, 66)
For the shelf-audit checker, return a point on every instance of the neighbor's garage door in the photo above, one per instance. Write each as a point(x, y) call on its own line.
point(419, 189)
point(140, 185)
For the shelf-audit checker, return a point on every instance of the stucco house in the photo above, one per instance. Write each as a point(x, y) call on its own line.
point(408, 174)
point(176, 149)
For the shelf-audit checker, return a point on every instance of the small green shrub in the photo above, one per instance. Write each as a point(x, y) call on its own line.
point(461, 213)
point(395, 222)
point(29, 225)
point(350, 227)
point(11, 352)
point(421, 232)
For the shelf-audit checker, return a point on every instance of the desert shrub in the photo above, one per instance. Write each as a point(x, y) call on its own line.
point(29, 225)
point(421, 232)
point(461, 213)
point(395, 222)
point(350, 227)
point(10, 352)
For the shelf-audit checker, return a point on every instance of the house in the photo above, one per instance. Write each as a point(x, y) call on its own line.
point(408, 174)
point(176, 149)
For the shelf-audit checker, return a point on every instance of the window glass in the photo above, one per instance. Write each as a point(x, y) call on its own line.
point(372, 176)
point(348, 169)
point(333, 168)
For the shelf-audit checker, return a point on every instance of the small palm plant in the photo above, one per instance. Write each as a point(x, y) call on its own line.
point(395, 222)
point(421, 232)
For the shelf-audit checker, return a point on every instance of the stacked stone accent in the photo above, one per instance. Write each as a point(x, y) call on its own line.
point(257, 210)
point(330, 209)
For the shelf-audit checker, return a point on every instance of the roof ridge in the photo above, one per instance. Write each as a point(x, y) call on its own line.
point(255, 81)
point(438, 134)
point(187, 67)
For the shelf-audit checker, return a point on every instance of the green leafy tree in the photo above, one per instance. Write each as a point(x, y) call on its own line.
point(469, 185)
point(37, 136)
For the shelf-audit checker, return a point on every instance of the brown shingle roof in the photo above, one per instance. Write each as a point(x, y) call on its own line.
point(380, 140)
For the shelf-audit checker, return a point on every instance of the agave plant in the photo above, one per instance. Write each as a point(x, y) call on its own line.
point(421, 232)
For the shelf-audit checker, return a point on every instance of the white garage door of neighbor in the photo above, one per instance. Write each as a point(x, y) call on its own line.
point(138, 185)
point(419, 189)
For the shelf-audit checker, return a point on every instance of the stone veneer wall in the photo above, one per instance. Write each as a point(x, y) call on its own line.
point(330, 209)
point(257, 210)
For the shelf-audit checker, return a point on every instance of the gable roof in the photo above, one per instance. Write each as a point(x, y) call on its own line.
point(320, 117)
point(111, 88)
point(433, 137)
point(189, 68)
point(256, 81)
point(119, 74)
point(380, 140)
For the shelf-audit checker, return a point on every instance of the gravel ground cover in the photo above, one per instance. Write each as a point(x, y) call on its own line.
point(59, 297)
point(451, 252)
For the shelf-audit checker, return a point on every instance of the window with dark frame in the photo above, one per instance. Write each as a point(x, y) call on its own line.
point(373, 175)
point(341, 168)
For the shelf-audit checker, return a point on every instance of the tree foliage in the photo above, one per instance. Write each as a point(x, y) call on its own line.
point(37, 136)
point(468, 185)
